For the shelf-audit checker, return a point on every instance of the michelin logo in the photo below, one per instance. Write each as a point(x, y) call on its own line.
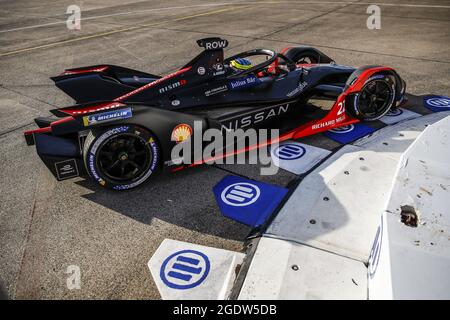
point(107, 116)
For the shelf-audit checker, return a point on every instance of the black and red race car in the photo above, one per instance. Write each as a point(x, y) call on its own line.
point(126, 122)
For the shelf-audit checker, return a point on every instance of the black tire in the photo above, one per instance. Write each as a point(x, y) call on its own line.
point(305, 58)
point(307, 55)
point(121, 157)
point(375, 99)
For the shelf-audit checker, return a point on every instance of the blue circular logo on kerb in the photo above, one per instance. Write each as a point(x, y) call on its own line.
point(438, 102)
point(185, 269)
point(375, 252)
point(343, 129)
point(394, 112)
point(240, 194)
point(289, 151)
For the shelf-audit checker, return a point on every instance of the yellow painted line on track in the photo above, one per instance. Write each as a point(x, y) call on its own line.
point(49, 45)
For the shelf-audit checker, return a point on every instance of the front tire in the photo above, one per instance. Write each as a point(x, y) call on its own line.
point(375, 99)
point(121, 157)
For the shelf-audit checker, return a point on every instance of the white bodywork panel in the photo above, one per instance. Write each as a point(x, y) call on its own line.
point(285, 270)
point(215, 277)
point(417, 262)
point(394, 140)
point(357, 181)
point(337, 211)
point(346, 223)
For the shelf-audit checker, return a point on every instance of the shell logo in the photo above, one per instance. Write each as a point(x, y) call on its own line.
point(181, 133)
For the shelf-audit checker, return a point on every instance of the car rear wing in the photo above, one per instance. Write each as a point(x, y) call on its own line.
point(77, 118)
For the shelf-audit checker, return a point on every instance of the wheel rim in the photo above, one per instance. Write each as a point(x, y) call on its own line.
point(375, 98)
point(125, 157)
point(306, 60)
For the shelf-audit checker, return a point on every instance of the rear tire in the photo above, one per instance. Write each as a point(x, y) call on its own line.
point(375, 99)
point(121, 157)
point(304, 58)
point(307, 55)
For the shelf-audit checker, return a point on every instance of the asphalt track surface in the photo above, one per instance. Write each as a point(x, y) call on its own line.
point(46, 225)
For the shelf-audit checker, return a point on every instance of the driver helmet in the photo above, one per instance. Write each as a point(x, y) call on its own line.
point(241, 64)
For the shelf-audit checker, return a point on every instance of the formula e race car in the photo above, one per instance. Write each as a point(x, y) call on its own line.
point(126, 122)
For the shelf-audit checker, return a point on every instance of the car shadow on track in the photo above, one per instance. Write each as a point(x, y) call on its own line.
point(183, 198)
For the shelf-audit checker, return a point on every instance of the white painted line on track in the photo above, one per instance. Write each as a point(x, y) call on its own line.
point(107, 33)
point(230, 3)
point(118, 14)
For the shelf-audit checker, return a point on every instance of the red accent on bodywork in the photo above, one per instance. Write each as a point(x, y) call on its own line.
point(283, 51)
point(301, 131)
point(151, 84)
point(94, 108)
point(116, 103)
point(273, 68)
point(306, 65)
point(337, 117)
point(79, 71)
point(40, 130)
point(177, 169)
point(274, 65)
point(49, 128)
point(364, 76)
point(62, 120)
